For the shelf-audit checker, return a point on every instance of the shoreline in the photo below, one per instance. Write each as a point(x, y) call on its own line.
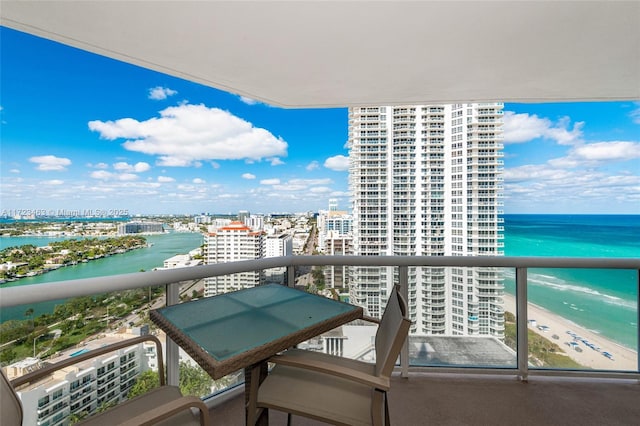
point(622, 358)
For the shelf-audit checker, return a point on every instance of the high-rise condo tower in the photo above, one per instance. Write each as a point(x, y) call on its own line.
point(427, 180)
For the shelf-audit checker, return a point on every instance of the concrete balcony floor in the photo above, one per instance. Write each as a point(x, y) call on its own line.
point(439, 399)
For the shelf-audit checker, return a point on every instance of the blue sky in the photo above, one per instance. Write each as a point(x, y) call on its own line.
point(84, 132)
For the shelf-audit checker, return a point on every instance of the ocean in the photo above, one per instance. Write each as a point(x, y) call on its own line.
point(604, 301)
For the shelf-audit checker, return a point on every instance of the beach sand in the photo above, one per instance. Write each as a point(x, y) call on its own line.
point(623, 358)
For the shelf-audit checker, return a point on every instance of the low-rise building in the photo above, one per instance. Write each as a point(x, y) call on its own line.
point(81, 388)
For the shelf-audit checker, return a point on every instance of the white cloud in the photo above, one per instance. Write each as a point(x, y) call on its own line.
point(608, 151)
point(248, 101)
point(338, 163)
point(229, 196)
point(198, 181)
point(14, 171)
point(99, 166)
point(320, 190)
point(185, 134)
point(53, 182)
point(300, 184)
point(276, 161)
point(137, 168)
point(51, 162)
point(270, 182)
point(290, 187)
point(593, 154)
point(159, 93)
point(165, 179)
point(312, 166)
point(248, 176)
point(105, 175)
point(309, 182)
point(520, 128)
point(534, 172)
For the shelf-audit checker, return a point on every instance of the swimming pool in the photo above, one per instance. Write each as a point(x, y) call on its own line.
point(80, 352)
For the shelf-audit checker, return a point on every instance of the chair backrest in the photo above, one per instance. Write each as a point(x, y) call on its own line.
point(10, 405)
point(392, 332)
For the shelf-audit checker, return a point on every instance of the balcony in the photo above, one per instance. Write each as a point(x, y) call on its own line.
point(426, 382)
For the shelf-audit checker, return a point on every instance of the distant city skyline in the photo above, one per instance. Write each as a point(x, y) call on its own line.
point(84, 132)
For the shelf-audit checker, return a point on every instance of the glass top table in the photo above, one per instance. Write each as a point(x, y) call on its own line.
point(231, 331)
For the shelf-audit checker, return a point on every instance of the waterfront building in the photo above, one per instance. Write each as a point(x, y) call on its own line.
point(180, 261)
point(426, 180)
point(277, 246)
point(231, 243)
point(140, 228)
point(83, 387)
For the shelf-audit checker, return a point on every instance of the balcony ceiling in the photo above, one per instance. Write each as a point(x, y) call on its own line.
point(324, 54)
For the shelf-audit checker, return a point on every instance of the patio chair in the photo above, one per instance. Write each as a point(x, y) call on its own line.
point(163, 405)
point(334, 389)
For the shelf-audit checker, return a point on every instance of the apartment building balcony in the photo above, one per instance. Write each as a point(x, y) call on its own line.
point(412, 378)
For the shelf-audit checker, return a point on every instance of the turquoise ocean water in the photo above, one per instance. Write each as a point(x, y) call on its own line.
point(604, 301)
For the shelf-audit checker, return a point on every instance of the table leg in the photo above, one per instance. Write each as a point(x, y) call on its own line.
point(249, 379)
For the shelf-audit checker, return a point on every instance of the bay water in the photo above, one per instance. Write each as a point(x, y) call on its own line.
point(162, 246)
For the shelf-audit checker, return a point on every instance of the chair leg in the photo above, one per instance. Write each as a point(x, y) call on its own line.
point(378, 408)
point(288, 419)
point(251, 405)
point(387, 421)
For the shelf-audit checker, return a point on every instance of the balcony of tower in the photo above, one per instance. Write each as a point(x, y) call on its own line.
point(490, 112)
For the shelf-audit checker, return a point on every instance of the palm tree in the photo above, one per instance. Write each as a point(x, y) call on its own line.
point(29, 313)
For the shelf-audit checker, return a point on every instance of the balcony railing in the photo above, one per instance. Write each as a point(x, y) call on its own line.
point(22, 295)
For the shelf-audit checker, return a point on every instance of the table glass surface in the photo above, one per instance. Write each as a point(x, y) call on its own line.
point(230, 324)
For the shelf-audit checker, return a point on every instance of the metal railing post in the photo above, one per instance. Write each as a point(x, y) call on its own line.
point(291, 276)
point(521, 323)
point(173, 354)
point(403, 280)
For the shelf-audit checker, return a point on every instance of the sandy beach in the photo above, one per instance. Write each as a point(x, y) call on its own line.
point(621, 357)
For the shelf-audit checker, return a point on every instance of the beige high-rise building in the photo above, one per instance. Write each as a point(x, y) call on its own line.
point(231, 243)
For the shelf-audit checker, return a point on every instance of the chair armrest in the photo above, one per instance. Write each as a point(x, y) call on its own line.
point(169, 409)
point(325, 367)
point(38, 374)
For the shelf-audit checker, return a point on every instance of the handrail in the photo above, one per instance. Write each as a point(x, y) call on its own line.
point(20, 295)
point(34, 293)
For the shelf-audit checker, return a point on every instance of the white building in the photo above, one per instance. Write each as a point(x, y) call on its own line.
point(180, 261)
point(337, 244)
point(277, 246)
point(231, 243)
point(427, 180)
point(335, 234)
point(83, 387)
point(140, 228)
point(254, 222)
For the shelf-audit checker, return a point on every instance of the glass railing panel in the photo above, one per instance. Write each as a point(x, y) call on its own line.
point(583, 319)
point(580, 319)
point(460, 320)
